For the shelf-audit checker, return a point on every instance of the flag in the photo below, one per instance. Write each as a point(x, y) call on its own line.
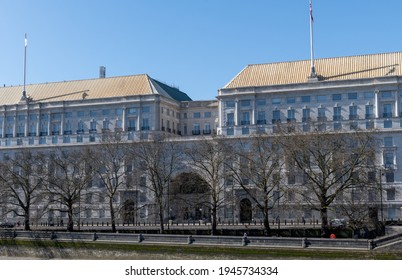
point(26, 40)
point(311, 12)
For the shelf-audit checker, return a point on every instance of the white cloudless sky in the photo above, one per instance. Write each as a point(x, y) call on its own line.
point(196, 45)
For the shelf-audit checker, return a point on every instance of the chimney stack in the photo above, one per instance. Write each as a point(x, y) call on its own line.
point(102, 72)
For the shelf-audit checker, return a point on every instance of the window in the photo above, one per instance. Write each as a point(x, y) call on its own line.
point(276, 101)
point(184, 115)
point(230, 119)
point(146, 109)
point(337, 114)
point(369, 112)
point(93, 126)
point(387, 123)
point(321, 115)
point(276, 116)
point(387, 110)
point(145, 124)
point(306, 99)
point(353, 112)
point(389, 177)
point(207, 114)
point(245, 103)
point(388, 159)
point(196, 115)
point(245, 118)
point(93, 113)
point(119, 112)
point(291, 100)
point(337, 126)
point(230, 104)
point(321, 98)
point(352, 95)
point(132, 111)
point(196, 129)
point(391, 194)
point(106, 112)
point(261, 117)
point(306, 115)
point(337, 97)
point(131, 124)
point(386, 94)
point(291, 115)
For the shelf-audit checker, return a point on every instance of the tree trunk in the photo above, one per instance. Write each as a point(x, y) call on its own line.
point(26, 220)
point(112, 216)
point(70, 223)
point(161, 224)
point(214, 220)
point(267, 229)
point(324, 220)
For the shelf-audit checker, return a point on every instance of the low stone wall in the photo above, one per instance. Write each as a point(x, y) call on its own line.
point(245, 240)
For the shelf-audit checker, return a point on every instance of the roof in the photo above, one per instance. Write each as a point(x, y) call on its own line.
point(174, 92)
point(328, 69)
point(88, 89)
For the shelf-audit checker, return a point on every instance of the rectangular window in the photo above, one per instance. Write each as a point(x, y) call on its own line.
point(146, 109)
point(118, 112)
point(276, 116)
point(145, 124)
point(336, 97)
point(353, 113)
point(291, 100)
point(132, 111)
point(391, 194)
point(306, 99)
point(261, 117)
point(337, 114)
point(388, 159)
point(245, 118)
point(321, 98)
point(369, 112)
point(230, 119)
point(291, 115)
point(245, 103)
point(276, 101)
point(389, 177)
point(230, 104)
point(352, 95)
point(207, 115)
point(387, 123)
point(321, 114)
point(306, 115)
point(196, 115)
point(386, 94)
point(387, 110)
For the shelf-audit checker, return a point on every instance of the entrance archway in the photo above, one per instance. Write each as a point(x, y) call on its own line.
point(246, 213)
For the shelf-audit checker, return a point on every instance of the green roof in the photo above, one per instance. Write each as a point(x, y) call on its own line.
point(174, 93)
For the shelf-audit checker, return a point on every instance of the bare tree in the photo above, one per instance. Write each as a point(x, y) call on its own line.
point(22, 178)
point(69, 176)
point(208, 158)
point(330, 162)
point(159, 160)
point(257, 169)
point(109, 162)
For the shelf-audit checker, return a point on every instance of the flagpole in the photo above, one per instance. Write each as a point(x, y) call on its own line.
point(24, 94)
point(313, 74)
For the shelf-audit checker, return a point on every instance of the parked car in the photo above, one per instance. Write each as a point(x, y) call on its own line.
point(6, 225)
point(338, 223)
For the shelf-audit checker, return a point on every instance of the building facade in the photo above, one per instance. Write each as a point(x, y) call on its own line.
point(359, 92)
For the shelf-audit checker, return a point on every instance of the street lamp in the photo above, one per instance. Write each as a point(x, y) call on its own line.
point(381, 205)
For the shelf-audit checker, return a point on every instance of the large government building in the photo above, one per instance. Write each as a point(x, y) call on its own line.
point(363, 92)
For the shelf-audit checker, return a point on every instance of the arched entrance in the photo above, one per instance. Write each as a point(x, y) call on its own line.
point(246, 213)
point(128, 211)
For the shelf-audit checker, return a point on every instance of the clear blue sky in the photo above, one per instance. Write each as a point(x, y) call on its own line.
point(197, 45)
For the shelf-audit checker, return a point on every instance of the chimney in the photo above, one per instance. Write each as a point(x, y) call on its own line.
point(102, 72)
